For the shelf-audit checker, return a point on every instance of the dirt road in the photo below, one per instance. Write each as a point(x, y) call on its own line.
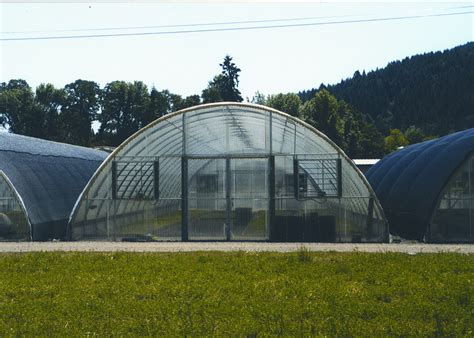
point(409, 248)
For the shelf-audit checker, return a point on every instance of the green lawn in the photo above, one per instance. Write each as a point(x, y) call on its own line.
point(239, 293)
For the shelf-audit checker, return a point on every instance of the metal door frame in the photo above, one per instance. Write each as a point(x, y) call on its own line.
point(228, 192)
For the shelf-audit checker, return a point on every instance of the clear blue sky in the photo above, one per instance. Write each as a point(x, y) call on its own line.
point(272, 60)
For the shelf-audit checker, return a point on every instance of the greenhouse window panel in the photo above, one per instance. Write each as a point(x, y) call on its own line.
point(317, 178)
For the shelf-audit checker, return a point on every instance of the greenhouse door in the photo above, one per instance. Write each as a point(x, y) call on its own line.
point(227, 198)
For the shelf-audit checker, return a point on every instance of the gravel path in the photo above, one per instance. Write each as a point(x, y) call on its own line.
point(410, 248)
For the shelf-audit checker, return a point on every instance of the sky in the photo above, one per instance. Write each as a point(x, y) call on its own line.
point(326, 43)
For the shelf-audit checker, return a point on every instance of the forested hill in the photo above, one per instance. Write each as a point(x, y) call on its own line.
point(432, 91)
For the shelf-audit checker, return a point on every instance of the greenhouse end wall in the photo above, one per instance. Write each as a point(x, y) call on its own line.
point(452, 219)
point(228, 171)
point(14, 224)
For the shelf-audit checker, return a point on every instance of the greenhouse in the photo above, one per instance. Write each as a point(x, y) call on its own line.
point(228, 172)
point(40, 182)
point(427, 189)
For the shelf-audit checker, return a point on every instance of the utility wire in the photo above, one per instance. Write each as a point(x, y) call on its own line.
point(212, 23)
point(394, 18)
point(184, 25)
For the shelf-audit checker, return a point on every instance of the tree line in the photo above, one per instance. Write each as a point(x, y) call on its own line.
point(368, 115)
point(421, 97)
point(122, 108)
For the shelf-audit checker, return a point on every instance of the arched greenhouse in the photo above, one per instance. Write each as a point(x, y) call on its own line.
point(427, 189)
point(40, 182)
point(228, 171)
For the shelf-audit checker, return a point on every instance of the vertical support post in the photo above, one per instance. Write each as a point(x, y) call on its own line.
point(113, 200)
point(370, 217)
point(271, 197)
point(296, 178)
point(184, 199)
point(294, 140)
point(156, 179)
point(228, 184)
point(227, 131)
point(270, 134)
point(470, 204)
point(339, 177)
point(114, 180)
point(184, 183)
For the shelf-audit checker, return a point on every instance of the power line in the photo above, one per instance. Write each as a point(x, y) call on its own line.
point(395, 18)
point(184, 25)
point(213, 23)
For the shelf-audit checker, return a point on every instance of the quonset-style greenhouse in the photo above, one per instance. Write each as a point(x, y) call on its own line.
point(427, 189)
point(39, 183)
point(228, 171)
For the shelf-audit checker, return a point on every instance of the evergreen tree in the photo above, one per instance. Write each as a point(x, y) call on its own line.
point(230, 75)
point(433, 91)
point(224, 87)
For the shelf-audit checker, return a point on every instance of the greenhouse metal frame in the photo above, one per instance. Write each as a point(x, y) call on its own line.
point(228, 171)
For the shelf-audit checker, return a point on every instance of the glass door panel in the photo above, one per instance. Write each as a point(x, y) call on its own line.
point(249, 198)
point(228, 199)
point(207, 199)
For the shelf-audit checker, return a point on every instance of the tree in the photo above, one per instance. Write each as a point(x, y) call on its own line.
point(326, 114)
point(164, 102)
point(179, 103)
point(288, 103)
point(395, 140)
point(213, 92)
point(124, 111)
point(414, 135)
point(80, 109)
point(371, 142)
point(49, 102)
point(159, 105)
point(258, 98)
point(230, 73)
point(223, 87)
point(17, 108)
point(358, 137)
point(318, 110)
point(433, 91)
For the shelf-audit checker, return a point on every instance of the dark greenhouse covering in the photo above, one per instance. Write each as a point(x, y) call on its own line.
point(427, 189)
point(39, 183)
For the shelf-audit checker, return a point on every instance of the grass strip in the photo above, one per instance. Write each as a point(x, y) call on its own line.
point(239, 293)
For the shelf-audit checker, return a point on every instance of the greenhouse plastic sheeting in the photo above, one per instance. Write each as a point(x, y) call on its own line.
point(409, 182)
point(225, 171)
point(49, 177)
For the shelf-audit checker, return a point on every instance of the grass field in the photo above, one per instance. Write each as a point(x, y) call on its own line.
point(238, 293)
